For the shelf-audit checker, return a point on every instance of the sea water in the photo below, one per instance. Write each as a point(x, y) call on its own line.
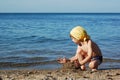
point(36, 40)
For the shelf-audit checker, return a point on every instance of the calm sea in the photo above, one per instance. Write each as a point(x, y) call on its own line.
point(35, 41)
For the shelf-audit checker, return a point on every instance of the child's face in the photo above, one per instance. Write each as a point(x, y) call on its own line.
point(75, 40)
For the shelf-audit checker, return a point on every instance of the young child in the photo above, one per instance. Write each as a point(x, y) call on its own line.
point(87, 50)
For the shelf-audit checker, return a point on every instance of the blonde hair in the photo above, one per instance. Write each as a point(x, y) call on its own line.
point(79, 33)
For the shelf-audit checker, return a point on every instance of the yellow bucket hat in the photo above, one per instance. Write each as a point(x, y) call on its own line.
point(79, 33)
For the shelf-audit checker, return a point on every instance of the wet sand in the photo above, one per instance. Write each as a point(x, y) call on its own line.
point(65, 73)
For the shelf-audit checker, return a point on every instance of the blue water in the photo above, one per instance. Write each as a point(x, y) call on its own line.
point(35, 41)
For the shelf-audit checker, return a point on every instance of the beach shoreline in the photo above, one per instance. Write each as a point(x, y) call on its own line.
point(67, 71)
point(60, 74)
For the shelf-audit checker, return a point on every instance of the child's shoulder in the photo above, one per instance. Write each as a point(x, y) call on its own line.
point(90, 41)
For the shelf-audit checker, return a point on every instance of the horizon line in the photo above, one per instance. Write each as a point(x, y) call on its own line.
point(66, 12)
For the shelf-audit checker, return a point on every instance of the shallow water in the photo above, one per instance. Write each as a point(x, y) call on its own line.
point(35, 41)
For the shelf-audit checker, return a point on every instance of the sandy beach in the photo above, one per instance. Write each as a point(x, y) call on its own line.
point(112, 74)
point(64, 73)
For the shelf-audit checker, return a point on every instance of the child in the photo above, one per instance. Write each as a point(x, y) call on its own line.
point(87, 50)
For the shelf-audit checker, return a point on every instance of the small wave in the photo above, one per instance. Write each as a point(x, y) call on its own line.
point(24, 59)
point(34, 52)
point(30, 56)
point(35, 39)
point(26, 37)
point(45, 39)
point(111, 60)
point(13, 65)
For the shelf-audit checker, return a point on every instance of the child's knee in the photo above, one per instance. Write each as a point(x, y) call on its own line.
point(93, 64)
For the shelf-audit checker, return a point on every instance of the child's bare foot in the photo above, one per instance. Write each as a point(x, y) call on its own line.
point(94, 70)
point(83, 68)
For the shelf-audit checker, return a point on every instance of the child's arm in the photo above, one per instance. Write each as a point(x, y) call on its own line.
point(89, 53)
point(77, 55)
point(72, 59)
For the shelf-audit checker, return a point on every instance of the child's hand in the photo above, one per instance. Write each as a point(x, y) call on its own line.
point(62, 60)
point(76, 64)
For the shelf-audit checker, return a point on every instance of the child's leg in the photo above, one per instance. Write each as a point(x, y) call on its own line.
point(94, 64)
point(80, 58)
point(77, 65)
